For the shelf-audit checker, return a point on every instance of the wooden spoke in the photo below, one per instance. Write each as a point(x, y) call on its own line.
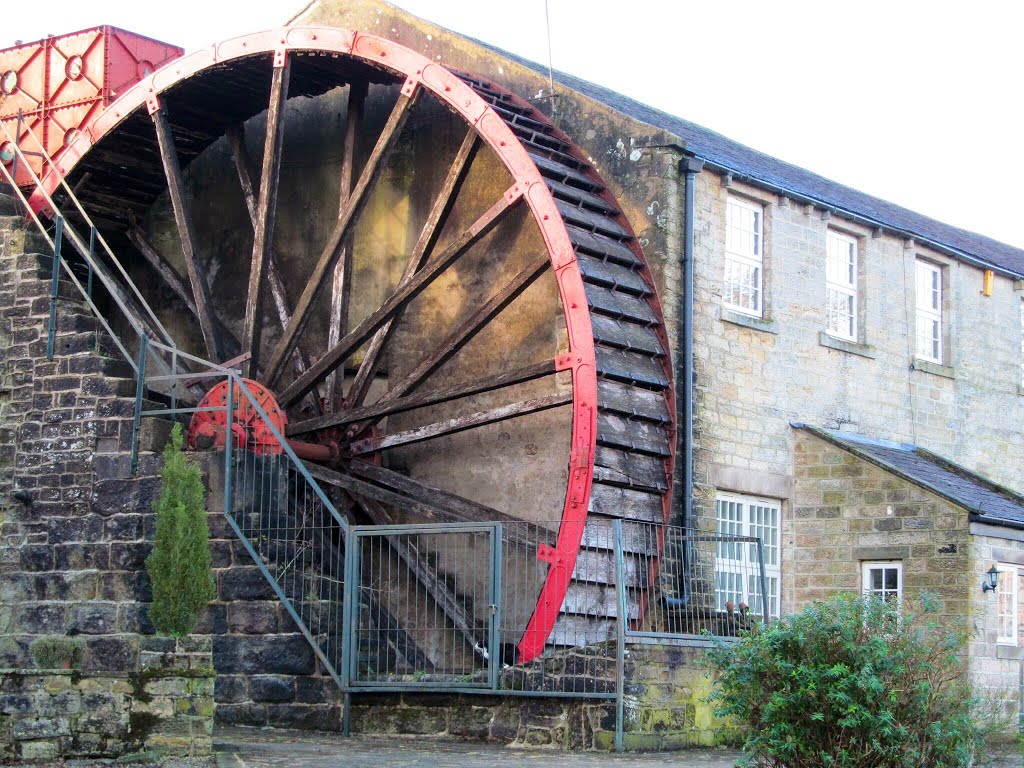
point(421, 399)
point(266, 208)
point(402, 296)
point(163, 268)
point(187, 234)
point(341, 284)
point(303, 311)
point(235, 136)
point(421, 251)
point(467, 330)
point(451, 426)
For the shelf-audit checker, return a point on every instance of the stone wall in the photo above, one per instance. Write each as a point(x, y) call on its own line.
point(847, 511)
point(756, 376)
point(165, 706)
point(666, 707)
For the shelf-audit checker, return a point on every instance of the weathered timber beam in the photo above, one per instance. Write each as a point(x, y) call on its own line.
point(315, 284)
point(341, 280)
point(266, 210)
point(186, 232)
point(429, 234)
point(422, 399)
point(335, 356)
point(462, 423)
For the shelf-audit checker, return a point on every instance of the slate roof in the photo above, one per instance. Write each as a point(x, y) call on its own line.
point(759, 168)
point(986, 501)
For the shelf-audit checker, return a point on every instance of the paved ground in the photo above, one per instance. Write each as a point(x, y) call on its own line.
point(265, 749)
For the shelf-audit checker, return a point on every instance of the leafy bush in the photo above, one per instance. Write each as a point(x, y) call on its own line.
point(850, 683)
point(179, 565)
point(57, 652)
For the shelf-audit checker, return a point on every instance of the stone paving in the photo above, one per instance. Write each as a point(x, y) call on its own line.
point(257, 748)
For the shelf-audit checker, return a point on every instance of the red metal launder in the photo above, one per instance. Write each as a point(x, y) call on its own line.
point(448, 89)
point(61, 83)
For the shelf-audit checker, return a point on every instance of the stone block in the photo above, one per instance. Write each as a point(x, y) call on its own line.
point(231, 689)
point(111, 654)
point(274, 654)
point(245, 583)
point(95, 618)
point(252, 618)
point(25, 729)
point(48, 749)
point(272, 688)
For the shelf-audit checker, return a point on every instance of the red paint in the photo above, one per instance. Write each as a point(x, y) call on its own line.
point(61, 84)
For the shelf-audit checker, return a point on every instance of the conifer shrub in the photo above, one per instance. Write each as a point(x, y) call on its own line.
point(851, 682)
point(179, 565)
point(57, 652)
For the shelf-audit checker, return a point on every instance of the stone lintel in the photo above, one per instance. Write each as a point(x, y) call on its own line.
point(751, 481)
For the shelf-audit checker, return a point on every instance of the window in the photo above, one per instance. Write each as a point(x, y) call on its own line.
point(929, 311)
point(737, 572)
point(841, 286)
point(883, 579)
point(1006, 604)
point(743, 262)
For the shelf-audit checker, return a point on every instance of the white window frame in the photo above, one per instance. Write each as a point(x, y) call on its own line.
point(740, 256)
point(928, 315)
point(867, 566)
point(1007, 587)
point(737, 574)
point(841, 284)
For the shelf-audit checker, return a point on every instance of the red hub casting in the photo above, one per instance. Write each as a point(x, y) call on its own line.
point(249, 430)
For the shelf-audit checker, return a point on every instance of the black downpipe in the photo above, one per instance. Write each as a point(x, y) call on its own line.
point(690, 166)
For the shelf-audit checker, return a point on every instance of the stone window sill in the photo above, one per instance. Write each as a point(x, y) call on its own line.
point(851, 347)
point(754, 323)
point(933, 368)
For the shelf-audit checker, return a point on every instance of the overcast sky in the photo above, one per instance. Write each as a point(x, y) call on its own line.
point(916, 102)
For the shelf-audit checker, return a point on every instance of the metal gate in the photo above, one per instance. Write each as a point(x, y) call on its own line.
point(422, 607)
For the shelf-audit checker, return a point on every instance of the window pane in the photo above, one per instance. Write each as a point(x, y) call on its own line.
point(738, 569)
point(743, 267)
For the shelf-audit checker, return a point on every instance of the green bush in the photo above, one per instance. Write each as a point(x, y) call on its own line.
point(57, 652)
point(179, 565)
point(850, 683)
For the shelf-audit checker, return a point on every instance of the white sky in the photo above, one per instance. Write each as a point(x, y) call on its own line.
point(916, 102)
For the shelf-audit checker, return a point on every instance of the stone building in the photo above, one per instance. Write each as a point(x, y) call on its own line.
point(854, 371)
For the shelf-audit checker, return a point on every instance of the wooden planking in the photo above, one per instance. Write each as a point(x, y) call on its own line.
point(425, 244)
point(613, 466)
point(637, 538)
point(571, 631)
point(329, 256)
point(619, 305)
point(578, 196)
point(561, 172)
point(615, 332)
point(187, 234)
point(583, 599)
point(602, 247)
point(599, 568)
point(632, 435)
point(609, 274)
point(630, 368)
point(589, 220)
point(634, 402)
point(335, 356)
point(614, 501)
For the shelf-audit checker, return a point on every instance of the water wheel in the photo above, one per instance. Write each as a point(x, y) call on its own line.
point(428, 276)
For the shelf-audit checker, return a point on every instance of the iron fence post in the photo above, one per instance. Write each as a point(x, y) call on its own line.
point(92, 253)
point(764, 579)
point(620, 627)
point(348, 607)
point(140, 386)
point(229, 415)
point(54, 286)
point(494, 639)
